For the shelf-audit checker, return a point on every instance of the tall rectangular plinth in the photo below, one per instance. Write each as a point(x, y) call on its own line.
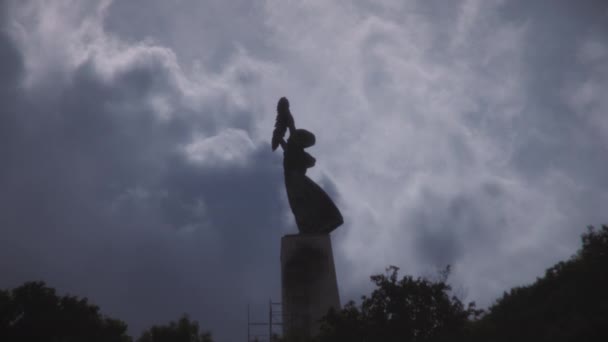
point(309, 286)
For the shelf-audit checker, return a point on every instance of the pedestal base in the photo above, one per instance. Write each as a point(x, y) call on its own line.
point(308, 280)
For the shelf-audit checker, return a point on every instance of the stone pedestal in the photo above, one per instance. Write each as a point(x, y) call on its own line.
point(308, 283)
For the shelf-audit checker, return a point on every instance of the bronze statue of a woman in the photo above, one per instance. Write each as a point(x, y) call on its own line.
point(314, 211)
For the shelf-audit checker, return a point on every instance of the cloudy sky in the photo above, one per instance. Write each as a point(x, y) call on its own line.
point(135, 144)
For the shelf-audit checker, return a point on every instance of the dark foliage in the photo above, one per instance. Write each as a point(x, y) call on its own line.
point(570, 303)
point(34, 312)
point(401, 310)
point(184, 330)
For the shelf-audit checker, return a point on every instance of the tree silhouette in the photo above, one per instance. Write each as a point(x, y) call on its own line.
point(570, 303)
point(401, 310)
point(34, 312)
point(184, 330)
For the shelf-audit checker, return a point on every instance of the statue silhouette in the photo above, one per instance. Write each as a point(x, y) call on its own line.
point(312, 208)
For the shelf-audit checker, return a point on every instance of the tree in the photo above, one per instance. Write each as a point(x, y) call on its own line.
point(184, 330)
point(570, 303)
point(401, 310)
point(34, 312)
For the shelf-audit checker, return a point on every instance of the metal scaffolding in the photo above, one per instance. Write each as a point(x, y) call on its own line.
point(273, 314)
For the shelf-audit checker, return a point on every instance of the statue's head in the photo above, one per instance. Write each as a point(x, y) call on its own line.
point(283, 105)
point(301, 138)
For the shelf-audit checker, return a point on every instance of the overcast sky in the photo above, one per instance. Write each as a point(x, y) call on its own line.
point(135, 144)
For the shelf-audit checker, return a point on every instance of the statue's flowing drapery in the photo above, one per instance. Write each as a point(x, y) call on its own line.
point(314, 211)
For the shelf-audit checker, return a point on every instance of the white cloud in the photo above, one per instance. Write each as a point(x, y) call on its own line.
point(231, 147)
point(418, 118)
point(400, 114)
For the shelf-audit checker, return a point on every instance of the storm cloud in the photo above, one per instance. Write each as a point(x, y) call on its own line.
point(137, 170)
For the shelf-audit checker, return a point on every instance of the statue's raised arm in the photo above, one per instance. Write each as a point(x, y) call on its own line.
point(284, 120)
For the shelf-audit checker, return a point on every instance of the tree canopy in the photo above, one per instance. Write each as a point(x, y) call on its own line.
point(34, 312)
point(569, 303)
point(405, 309)
point(184, 330)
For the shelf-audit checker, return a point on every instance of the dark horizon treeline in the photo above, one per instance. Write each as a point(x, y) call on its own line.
point(34, 312)
point(568, 303)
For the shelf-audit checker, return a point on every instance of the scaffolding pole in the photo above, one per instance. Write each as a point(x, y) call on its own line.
point(270, 323)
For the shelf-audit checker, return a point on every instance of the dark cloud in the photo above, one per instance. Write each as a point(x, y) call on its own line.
point(548, 129)
point(97, 200)
point(11, 68)
point(451, 139)
point(446, 226)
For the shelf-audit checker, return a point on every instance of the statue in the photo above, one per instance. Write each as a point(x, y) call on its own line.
point(314, 211)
